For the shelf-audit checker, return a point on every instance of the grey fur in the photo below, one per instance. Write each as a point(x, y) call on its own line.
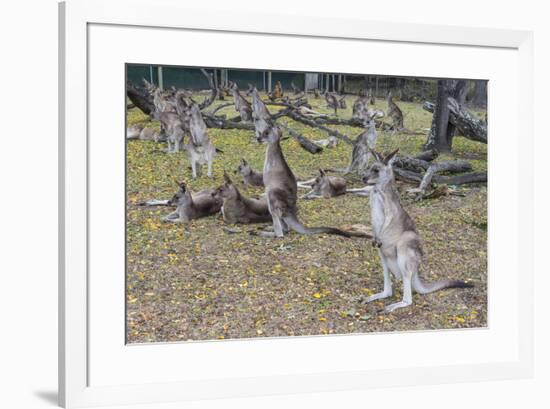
point(281, 191)
point(237, 208)
point(192, 206)
point(174, 128)
point(325, 186)
point(396, 237)
point(260, 114)
point(242, 106)
point(360, 107)
point(250, 176)
point(394, 112)
point(365, 142)
point(200, 149)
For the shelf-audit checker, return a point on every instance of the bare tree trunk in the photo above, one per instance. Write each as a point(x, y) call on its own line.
point(480, 94)
point(468, 126)
point(458, 92)
point(438, 137)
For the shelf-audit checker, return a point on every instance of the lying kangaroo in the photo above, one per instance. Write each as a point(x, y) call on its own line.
point(281, 191)
point(239, 209)
point(250, 176)
point(326, 186)
point(262, 117)
point(192, 206)
point(148, 134)
point(394, 112)
point(396, 237)
point(133, 132)
point(242, 106)
point(139, 132)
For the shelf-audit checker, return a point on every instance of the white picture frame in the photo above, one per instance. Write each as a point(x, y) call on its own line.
point(80, 330)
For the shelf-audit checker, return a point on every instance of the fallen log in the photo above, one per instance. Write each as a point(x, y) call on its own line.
point(454, 166)
point(221, 106)
point(289, 107)
point(463, 179)
point(222, 123)
point(304, 142)
point(468, 126)
point(307, 121)
point(140, 98)
point(428, 155)
point(412, 164)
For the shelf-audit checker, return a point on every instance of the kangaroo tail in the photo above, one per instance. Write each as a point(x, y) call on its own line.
point(426, 288)
point(293, 222)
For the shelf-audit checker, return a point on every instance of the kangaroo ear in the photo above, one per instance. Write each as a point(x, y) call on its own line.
point(244, 162)
point(388, 160)
point(226, 178)
point(376, 155)
point(321, 172)
point(181, 185)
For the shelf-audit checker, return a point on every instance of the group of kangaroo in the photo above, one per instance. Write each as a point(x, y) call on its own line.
point(180, 116)
point(394, 233)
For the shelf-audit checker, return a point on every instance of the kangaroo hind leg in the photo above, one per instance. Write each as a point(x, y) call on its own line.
point(407, 262)
point(388, 290)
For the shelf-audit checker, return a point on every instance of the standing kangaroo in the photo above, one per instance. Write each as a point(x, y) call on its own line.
point(394, 112)
point(262, 117)
point(250, 176)
point(396, 237)
point(174, 127)
point(360, 107)
point(200, 149)
point(277, 90)
point(242, 106)
point(332, 102)
point(365, 142)
point(326, 186)
point(281, 191)
point(239, 209)
point(342, 102)
point(192, 206)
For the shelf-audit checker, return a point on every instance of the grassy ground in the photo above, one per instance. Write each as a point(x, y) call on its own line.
point(198, 282)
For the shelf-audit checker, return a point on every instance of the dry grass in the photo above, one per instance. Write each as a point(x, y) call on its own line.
point(197, 282)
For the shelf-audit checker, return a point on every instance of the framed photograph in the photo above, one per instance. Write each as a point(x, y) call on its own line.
point(230, 213)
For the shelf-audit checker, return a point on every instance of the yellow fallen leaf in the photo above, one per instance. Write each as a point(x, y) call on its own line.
point(317, 295)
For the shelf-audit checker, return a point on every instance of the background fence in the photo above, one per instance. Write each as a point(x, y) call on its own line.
point(403, 88)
